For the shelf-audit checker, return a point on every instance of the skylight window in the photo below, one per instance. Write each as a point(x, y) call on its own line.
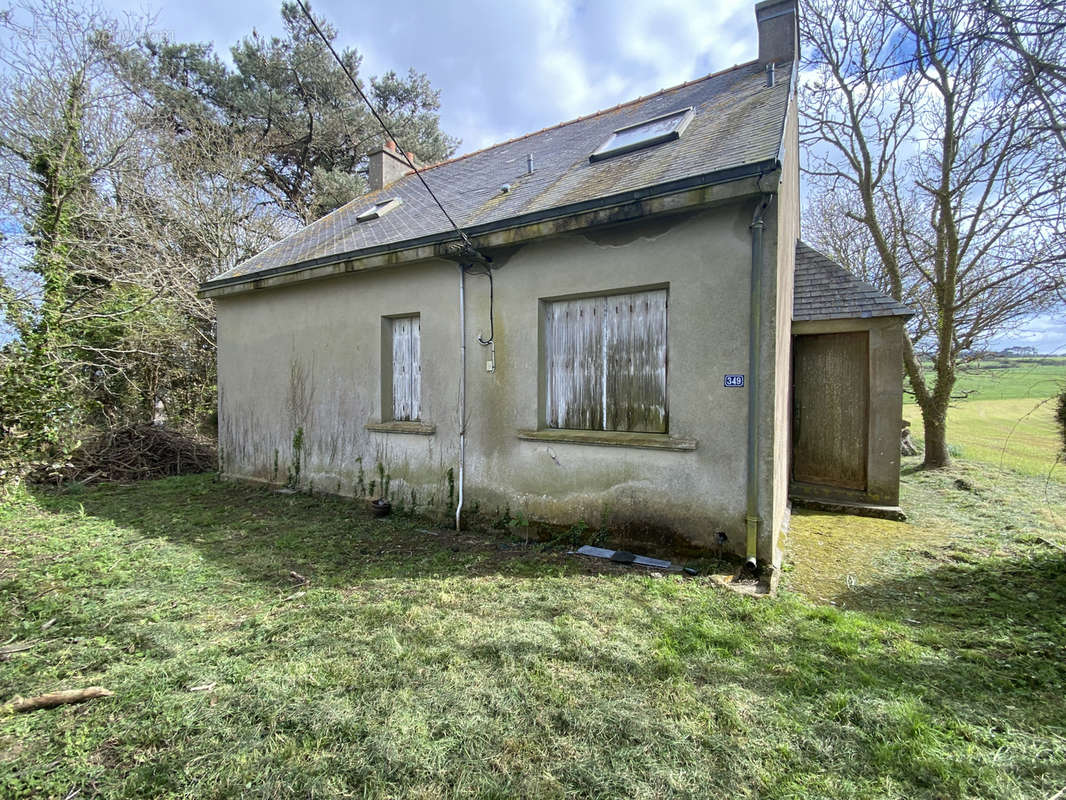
point(644, 134)
point(378, 210)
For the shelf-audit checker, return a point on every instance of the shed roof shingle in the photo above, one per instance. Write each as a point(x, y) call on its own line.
point(738, 120)
point(825, 290)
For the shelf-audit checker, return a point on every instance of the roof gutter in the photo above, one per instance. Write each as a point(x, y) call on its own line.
point(675, 196)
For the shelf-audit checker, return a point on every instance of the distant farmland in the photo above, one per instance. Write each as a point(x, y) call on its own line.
point(1004, 414)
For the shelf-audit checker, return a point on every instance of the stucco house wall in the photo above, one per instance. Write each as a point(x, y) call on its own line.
point(885, 371)
point(300, 376)
point(305, 344)
point(830, 300)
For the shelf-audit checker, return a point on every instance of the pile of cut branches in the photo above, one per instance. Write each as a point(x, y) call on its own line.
point(139, 452)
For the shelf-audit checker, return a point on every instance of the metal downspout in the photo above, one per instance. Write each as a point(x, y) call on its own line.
point(462, 390)
point(758, 225)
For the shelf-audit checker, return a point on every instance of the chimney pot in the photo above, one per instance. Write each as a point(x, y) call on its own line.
point(390, 145)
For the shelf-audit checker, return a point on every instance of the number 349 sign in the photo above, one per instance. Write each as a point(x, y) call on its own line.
point(733, 380)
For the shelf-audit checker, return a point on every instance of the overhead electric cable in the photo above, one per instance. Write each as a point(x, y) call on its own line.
point(381, 122)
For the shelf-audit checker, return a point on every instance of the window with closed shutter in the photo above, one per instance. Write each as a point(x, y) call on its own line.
point(406, 369)
point(605, 362)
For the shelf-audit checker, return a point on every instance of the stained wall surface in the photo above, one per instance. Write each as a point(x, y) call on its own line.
point(301, 368)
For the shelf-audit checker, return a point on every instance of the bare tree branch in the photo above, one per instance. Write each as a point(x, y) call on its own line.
point(933, 176)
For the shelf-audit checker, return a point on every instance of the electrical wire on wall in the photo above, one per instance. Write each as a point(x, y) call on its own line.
point(490, 365)
point(467, 256)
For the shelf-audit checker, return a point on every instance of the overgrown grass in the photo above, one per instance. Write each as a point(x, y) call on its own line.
point(421, 665)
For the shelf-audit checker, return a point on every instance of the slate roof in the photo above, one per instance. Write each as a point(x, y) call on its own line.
point(825, 290)
point(738, 121)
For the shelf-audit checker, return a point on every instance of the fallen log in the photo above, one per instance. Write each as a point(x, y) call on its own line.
point(53, 699)
point(8, 649)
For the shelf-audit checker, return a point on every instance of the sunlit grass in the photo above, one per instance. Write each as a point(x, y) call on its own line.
point(1018, 434)
point(421, 665)
point(1011, 379)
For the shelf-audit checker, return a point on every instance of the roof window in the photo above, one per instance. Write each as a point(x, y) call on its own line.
point(378, 210)
point(644, 134)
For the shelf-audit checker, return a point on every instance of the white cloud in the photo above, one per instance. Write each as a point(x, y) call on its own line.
point(1047, 333)
point(505, 69)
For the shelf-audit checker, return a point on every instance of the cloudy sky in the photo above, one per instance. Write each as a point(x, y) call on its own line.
point(505, 67)
point(508, 67)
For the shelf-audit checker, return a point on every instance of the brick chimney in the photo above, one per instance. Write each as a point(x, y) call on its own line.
point(778, 30)
point(387, 166)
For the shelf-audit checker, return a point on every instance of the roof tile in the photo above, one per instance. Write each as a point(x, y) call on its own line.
point(825, 290)
point(738, 120)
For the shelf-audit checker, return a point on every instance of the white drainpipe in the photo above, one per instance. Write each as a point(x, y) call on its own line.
point(462, 390)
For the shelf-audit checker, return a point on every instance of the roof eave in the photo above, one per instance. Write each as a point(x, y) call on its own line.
point(676, 196)
point(793, 77)
point(846, 316)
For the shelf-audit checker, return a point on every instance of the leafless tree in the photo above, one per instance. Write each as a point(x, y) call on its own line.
point(111, 222)
point(1033, 34)
point(955, 182)
point(63, 128)
point(64, 124)
point(181, 217)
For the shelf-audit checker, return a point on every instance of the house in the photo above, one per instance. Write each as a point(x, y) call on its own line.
point(615, 342)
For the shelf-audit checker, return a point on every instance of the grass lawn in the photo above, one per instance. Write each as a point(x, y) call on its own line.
point(1007, 416)
point(431, 666)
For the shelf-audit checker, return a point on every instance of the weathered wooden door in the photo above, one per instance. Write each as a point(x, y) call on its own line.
point(830, 409)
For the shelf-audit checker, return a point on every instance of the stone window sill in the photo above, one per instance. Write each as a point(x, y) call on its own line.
point(417, 428)
point(649, 441)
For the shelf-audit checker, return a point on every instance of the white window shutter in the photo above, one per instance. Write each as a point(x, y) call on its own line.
point(406, 369)
point(606, 362)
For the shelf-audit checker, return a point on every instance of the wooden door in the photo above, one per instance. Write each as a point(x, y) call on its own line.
point(830, 409)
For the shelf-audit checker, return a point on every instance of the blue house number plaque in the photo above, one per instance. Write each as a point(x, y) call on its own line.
point(734, 380)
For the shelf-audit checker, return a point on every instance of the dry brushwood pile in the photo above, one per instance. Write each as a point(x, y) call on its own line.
point(139, 452)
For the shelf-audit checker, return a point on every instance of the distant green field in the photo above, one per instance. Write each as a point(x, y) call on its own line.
point(1011, 379)
point(1005, 415)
